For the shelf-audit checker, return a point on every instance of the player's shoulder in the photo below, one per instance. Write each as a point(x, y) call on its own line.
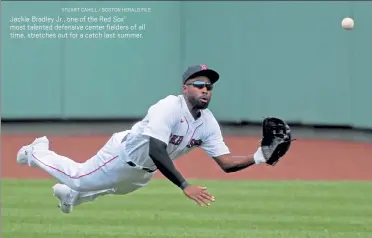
point(210, 118)
point(167, 104)
point(208, 114)
point(170, 100)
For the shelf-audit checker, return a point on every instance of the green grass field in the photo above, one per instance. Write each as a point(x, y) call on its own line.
point(242, 209)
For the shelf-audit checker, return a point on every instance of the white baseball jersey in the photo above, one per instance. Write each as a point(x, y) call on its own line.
point(170, 121)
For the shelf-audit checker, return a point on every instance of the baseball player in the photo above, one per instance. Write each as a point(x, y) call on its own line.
point(173, 126)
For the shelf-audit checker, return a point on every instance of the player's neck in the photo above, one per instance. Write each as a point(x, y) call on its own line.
point(194, 111)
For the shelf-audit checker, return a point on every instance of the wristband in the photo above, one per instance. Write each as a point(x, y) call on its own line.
point(184, 184)
point(258, 157)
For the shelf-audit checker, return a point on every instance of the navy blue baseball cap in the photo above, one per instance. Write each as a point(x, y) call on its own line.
point(200, 70)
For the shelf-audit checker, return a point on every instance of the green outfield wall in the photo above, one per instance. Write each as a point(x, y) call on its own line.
point(288, 59)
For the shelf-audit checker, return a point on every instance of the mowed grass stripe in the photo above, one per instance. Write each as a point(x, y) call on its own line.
point(243, 209)
point(73, 230)
point(344, 224)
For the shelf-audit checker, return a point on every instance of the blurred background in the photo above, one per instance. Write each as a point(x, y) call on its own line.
point(291, 60)
point(287, 59)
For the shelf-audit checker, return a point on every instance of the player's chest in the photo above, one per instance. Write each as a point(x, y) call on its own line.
point(186, 134)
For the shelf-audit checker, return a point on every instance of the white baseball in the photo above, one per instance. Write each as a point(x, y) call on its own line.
point(347, 23)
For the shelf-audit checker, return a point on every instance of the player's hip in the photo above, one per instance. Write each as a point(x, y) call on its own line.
point(138, 157)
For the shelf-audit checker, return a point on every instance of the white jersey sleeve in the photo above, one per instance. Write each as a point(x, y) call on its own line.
point(161, 119)
point(214, 144)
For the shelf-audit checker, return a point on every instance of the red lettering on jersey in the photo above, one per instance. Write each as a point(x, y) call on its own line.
point(179, 141)
point(175, 139)
point(194, 143)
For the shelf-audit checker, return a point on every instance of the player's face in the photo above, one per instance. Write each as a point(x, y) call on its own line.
point(198, 92)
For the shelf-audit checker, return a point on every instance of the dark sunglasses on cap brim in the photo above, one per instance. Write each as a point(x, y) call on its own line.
point(201, 85)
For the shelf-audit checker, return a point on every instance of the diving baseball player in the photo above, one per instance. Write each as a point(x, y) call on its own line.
point(173, 126)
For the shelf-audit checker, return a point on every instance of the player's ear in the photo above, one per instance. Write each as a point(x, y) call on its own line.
point(184, 88)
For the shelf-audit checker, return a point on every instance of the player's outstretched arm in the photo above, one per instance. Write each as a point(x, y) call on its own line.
point(274, 145)
point(158, 153)
point(229, 163)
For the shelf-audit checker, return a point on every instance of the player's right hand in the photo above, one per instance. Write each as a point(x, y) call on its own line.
point(199, 194)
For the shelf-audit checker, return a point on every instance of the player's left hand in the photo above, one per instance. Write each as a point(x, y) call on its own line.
point(199, 194)
point(276, 139)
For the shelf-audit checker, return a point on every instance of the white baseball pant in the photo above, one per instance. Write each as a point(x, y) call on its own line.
point(107, 172)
